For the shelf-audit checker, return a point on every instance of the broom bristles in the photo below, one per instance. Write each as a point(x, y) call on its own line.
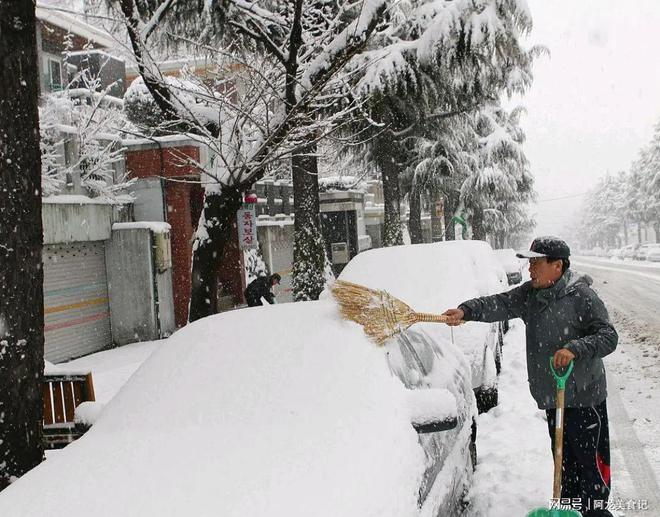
point(380, 314)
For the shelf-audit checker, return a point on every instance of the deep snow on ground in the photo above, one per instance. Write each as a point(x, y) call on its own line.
point(110, 368)
point(514, 470)
point(303, 418)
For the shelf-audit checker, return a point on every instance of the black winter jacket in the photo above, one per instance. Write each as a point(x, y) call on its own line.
point(570, 315)
point(259, 288)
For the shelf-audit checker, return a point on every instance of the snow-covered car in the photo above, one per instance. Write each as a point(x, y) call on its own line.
point(613, 252)
point(435, 277)
point(652, 252)
point(275, 410)
point(513, 266)
point(640, 252)
point(628, 251)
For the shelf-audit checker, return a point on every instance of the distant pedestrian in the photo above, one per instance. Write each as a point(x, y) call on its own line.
point(565, 319)
point(261, 288)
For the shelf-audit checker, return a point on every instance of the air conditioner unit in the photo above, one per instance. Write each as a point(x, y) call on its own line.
point(339, 252)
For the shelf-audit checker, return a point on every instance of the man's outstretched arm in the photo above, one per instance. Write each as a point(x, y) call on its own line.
point(498, 307)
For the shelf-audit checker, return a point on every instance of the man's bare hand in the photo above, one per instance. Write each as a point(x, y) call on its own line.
point(455, 316)
point(562, 357)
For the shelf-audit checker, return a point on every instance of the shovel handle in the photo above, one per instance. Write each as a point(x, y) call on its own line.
point(559, 444)
point(559, 425)
point(561, 379)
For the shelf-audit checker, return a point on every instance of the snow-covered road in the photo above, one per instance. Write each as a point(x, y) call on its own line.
point(631, 292)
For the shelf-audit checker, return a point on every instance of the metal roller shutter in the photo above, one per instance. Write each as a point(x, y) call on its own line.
point(76, 310)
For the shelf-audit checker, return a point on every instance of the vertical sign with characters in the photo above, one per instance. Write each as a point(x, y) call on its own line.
point(247, 227)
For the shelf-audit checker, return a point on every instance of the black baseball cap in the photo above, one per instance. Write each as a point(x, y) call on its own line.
point(550, 247)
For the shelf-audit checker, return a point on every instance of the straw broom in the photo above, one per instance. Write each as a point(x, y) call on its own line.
point(380, 314)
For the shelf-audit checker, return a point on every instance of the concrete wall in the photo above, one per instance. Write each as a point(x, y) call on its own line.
point(75, 222)
point(141, 307)
point(131, 286)
point(373, 222)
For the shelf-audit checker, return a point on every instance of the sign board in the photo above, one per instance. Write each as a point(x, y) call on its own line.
point(246, 219)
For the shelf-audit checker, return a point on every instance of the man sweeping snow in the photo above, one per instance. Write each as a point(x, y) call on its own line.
point(565, 319)
point(260, 288)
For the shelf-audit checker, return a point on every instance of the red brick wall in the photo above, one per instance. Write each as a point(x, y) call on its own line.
point(177, 197)
point(53, 39)
point(147, 163)
point(182, 208)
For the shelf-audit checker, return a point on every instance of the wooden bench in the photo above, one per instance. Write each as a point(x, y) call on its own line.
point(63, 393)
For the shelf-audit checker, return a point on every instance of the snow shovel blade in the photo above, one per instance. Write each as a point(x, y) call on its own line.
point(544, 512)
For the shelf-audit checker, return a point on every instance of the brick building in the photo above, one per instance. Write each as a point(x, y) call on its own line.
point(87, 48)
point(168, 189)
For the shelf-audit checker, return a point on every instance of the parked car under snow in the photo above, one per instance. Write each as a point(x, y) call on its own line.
point(513, 266)
point(275, 410)
point(434, 277)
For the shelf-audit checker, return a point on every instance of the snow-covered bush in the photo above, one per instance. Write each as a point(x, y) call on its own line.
point(89, 122)
point(254, 265)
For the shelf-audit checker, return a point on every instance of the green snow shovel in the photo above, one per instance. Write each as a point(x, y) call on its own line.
point(559, 448)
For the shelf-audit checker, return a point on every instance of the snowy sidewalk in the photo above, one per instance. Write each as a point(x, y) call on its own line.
point(514, 471)
point(111, 368)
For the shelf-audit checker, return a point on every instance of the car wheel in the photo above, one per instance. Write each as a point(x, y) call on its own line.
point(487, 397)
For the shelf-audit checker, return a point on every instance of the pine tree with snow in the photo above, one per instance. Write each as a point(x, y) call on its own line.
point(436, 60)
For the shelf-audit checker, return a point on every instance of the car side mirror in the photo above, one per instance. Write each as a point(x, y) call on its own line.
point(432, 410)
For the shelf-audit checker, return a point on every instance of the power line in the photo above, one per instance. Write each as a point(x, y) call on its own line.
point(563, 197)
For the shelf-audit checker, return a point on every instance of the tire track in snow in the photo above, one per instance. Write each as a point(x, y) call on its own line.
point(624, 438)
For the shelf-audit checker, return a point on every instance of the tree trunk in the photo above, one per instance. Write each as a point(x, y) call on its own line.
point(309, 253)
point(392, 234)
point(451, 205)
point(639, 232)
point(478, 230)
point(213, 233)
point(437, 230)
point(656, 230)
point(21, 242)
point(625, 232)
point(415, 218)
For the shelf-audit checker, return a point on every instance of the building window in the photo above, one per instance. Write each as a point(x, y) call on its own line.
point(55, 75)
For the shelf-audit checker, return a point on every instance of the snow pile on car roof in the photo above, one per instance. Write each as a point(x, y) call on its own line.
point(429, 277)
point(274, 411)
point(432, 278)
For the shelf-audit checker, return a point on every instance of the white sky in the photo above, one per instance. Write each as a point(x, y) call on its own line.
point(594, 101)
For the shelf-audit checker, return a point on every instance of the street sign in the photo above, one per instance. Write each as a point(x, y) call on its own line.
point(247, 227)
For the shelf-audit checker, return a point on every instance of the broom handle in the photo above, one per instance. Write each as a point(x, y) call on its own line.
point(559, 444)
point(427, 317)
